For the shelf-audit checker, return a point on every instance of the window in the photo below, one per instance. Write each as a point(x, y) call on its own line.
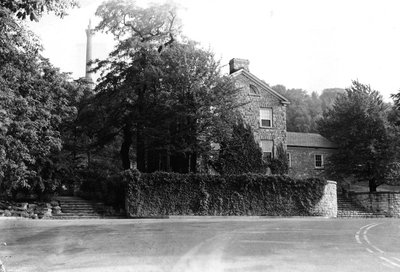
point(319, 161)
point(289, 159)
point(266, 117)
point(253, 90)
point(267, 149)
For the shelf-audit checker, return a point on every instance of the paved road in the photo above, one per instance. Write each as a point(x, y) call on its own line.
point(206, 244)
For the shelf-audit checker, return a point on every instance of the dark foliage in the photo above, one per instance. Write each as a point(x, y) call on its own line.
point(279, 164)
point(240, 153)
point(358, 123)
point(103, 186)
point(304, 109)
point(162, 193)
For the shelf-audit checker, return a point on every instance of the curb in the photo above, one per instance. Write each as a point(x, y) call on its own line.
point(228, 217)
point(13, 218)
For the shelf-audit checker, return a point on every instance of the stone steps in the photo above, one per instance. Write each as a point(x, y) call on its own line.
point(77, 208)
point(347, 208)
point(69, 217)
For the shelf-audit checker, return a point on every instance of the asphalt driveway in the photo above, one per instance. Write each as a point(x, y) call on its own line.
point(201, 244)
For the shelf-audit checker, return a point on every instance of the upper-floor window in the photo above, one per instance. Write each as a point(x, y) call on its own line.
point(266, 117)
point(254, 90)
point(319, 161)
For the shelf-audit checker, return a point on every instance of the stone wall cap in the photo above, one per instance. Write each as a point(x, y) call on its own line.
point(375, 193)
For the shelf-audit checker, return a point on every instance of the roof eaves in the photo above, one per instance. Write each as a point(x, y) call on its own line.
point(312, 146)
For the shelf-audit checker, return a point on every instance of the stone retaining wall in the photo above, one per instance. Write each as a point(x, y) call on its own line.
point(327, 206)
point(34, 210)
point(383, 202)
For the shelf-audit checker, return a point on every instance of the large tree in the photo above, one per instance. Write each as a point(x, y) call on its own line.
point(304, 109)
point(357, 122)
point(131, 70)
point(159, 91)
point(328, 97)
point(33, 100)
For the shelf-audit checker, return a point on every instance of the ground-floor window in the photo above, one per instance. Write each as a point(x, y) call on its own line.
point(267, 147)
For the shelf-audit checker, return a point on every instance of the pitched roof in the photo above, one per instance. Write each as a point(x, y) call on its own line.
point(261, 84)
point(308, 140)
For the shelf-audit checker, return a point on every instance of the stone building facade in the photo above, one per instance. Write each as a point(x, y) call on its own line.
point(307, 154)
point(265, 111)
point(263, 108)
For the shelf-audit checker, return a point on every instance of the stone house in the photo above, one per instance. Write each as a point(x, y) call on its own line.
point(265, 111)
point(307, 153)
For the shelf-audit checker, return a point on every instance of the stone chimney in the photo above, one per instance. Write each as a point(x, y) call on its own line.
point(237, 64)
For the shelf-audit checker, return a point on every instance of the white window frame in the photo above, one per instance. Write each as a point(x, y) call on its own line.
point(289, 158)
point(322, 161)
point(271, 116)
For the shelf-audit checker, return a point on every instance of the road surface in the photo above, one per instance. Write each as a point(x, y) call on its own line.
point(201, 244)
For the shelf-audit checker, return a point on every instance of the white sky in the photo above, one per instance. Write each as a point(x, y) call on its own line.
point(308, 44)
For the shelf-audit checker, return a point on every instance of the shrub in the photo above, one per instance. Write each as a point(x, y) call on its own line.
point(279, 165)
point(240, 153)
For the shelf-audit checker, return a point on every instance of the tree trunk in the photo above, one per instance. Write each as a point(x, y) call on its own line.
point(125, 147)
point(193, 163)
point(140, 141)
point(372, 186)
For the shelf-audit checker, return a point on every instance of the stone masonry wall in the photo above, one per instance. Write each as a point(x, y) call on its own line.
point(33, 210)
point(302, 165)
point(251, 111)
point(386, 202)
point(327, 206)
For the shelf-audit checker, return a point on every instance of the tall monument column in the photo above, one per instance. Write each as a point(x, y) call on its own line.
point(89, 34)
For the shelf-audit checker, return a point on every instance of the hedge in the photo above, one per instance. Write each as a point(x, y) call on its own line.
point(159, 194)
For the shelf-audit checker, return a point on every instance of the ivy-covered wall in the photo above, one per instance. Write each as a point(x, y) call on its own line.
point(159, 194)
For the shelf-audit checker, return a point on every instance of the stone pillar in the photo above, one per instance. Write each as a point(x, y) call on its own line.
point(327, 206)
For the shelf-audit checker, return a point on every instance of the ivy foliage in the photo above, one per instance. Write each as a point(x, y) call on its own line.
point(160, 193)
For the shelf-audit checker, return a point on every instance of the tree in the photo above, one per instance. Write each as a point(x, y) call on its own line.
point(159, 91)
point(328, 97)
point(279, 164)
point(33, 102)
point(304, 110)
point(34, 9)
point(239, 153)
point(132, 68)
point(357, 122)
